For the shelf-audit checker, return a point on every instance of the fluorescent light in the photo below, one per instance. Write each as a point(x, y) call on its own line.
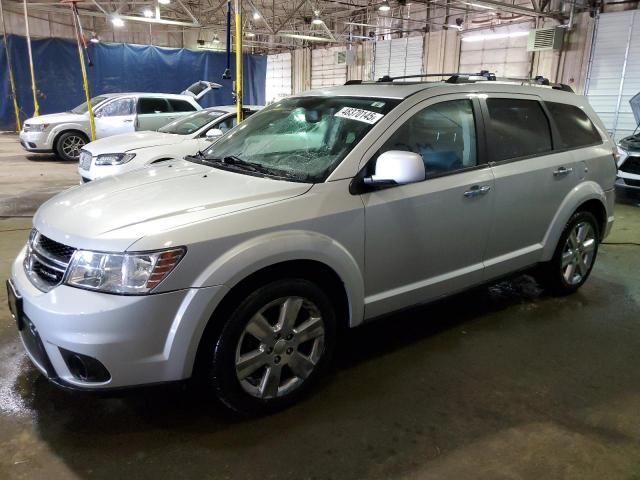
point(307, 37)
point(479, 5)
point(94, 40)
point(384, 6)
point(117, 22)
point(164, 2)
point(457, 27)
point(215, 39)
point(493, 36)
point(250, 34)
point(256, 15)
point(148, 13)
point(316, 19)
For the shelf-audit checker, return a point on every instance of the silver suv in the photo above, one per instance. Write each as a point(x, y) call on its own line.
point(66, 133)
point(241, 264)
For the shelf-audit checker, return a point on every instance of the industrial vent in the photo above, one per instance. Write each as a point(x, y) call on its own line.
point(545, 39)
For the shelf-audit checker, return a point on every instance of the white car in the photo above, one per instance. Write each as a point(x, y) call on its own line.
point(130, 151)
point(66, 133)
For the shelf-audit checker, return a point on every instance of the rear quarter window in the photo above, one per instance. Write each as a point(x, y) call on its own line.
point(574, 126)
point(181, 106)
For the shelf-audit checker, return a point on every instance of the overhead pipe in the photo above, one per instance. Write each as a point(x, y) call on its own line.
point(36, 106)
point(12, 82)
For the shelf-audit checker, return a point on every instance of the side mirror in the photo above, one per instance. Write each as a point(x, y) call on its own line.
point(213, 133)
point(397, 167)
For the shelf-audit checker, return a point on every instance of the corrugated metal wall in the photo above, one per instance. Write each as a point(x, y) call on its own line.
point(614, 73)
point(278, 84)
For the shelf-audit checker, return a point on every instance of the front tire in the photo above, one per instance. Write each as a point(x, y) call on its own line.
point(69, 144)
point(277, 342)
point(574, 256)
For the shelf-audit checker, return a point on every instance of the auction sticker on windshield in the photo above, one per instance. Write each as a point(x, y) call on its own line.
point(358, 114)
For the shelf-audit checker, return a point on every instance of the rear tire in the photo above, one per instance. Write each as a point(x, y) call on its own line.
point(69, 144)
point(276, 344)
point(574, 256)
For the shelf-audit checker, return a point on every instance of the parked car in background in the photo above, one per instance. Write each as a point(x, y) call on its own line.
point(241, 265)
point(629, 149)
point(66, 133)
point(184, 136)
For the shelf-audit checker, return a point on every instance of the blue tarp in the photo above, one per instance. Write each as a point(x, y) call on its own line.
point(117, 67)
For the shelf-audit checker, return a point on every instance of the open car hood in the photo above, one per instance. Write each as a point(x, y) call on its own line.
point(635, 107)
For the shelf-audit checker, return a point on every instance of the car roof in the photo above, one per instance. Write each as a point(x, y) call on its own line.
point(146, 94)
point(402, 90)
point(231, 108)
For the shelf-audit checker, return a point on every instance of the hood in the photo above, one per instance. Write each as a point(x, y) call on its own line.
point(635, 107)
point(132, 141)
point(112, 213)
point(66, 117)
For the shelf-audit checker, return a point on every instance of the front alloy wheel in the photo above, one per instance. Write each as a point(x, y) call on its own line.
point(280, 347)
point(69, 144)
point(277, 341)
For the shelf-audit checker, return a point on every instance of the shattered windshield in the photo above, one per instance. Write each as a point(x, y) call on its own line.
point(82, 108)
point(303, 139)
point(191, 123)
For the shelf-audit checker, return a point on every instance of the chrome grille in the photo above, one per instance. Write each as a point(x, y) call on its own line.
point(46, 261)
point(85, 160)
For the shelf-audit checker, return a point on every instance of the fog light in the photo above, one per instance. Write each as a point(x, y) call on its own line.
point(85, 368)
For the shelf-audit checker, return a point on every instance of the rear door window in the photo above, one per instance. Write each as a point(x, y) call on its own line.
point(574, 126)
point(181, 106)
point(517, 128)
point(152, 105)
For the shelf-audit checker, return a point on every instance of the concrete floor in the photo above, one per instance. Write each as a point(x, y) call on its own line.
point(500, 383)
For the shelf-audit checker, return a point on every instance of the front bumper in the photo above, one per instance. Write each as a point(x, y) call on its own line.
point(628, 181)
point(36, 142)
point(138, 339)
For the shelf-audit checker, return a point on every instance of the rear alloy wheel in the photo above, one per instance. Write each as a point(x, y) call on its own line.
point(69, 145)
point(574, 256)
point(274, 346)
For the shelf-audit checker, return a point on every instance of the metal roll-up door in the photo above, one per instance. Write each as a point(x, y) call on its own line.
point(278, 77)
point(328, 67)
point(614, 71)
point(501, 50)
point(399, 56)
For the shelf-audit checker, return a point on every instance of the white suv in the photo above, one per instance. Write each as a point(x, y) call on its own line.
point(66, 133)
point(321, 211)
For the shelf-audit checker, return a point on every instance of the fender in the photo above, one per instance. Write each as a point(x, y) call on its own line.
point(60, 129)
point(276, 247)
point(582, 193)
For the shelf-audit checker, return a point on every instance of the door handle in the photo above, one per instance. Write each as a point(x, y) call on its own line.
point(477, 190)
point(562, 171)
point(127, 121)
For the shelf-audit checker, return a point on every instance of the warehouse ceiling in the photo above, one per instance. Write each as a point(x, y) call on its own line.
point(272, 25)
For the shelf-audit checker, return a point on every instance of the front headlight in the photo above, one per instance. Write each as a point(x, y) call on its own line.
point(35, 127)
point(123, 273)
point(114, 158)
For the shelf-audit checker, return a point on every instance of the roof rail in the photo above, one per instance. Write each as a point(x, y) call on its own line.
point(539, 80)
point(483, 73)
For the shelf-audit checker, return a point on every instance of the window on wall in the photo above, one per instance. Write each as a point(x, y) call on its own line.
point(574, 126)
point(518, 128)
point(444, 135)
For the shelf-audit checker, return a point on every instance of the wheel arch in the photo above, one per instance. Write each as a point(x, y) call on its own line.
point(68, 130)
point(588, 196)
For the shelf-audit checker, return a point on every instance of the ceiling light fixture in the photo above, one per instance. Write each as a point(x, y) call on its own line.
point(215, 40)
point(457, 27)
point(164, 2)
point(493, 36)
point(384, 6)
point(147, 13)
point(117, 22)
point(316, 20)
point(249, 34)
point(479, 5)
point(256, 15)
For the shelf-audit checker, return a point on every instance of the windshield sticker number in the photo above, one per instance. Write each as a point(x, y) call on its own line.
point(359, 115)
